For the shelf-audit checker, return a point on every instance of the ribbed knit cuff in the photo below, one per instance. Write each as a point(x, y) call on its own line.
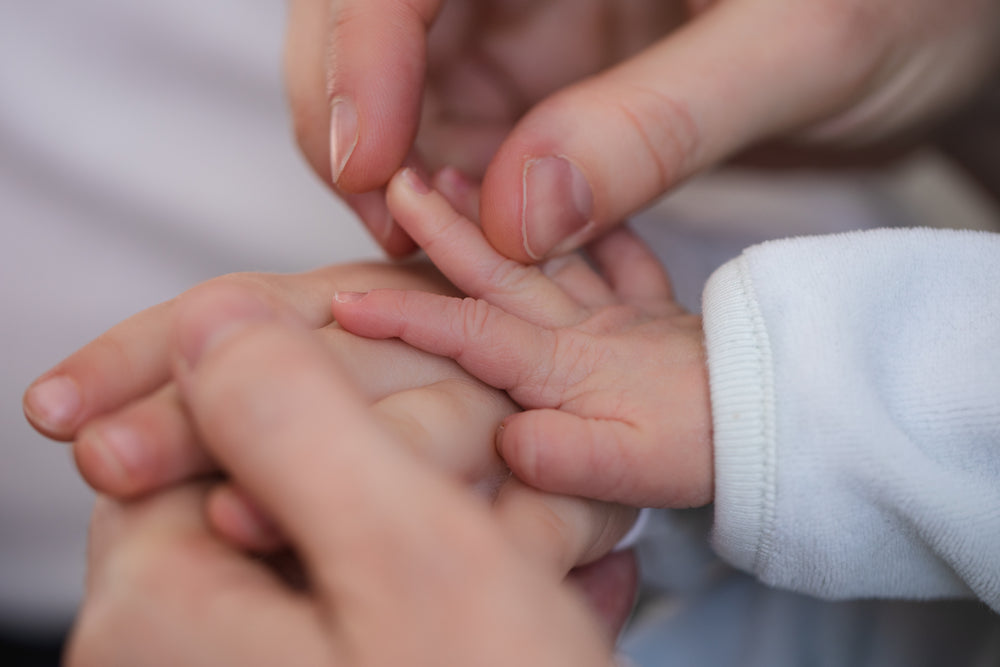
point(742, 390)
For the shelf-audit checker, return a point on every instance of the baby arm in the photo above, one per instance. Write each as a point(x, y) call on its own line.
point(611, 370)
point(854, 387)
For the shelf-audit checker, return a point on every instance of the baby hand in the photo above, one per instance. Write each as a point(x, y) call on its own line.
point(610, 369)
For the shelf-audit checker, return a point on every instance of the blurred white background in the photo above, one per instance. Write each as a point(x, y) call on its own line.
point(144, 147)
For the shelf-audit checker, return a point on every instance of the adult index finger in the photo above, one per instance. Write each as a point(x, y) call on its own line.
point(375, 61)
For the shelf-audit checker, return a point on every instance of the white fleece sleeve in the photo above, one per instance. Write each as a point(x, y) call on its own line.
point(855, 385)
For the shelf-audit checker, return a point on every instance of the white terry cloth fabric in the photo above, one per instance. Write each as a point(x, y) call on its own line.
point(856, 404)
point(702, 611)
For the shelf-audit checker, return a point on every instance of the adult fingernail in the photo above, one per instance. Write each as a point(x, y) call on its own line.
point(121, 450)
point(558, 204)
point(219, 324)
point(343, 134)
point(54, 402)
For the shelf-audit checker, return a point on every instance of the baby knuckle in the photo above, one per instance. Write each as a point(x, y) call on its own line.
point(510, 277)
point(571, 362)
point(475, 318)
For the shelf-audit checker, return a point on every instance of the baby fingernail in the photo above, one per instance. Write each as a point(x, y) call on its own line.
point(349, 297)
point(413, 180)
point(343, 134)
point(54, 402)
point(558, 203)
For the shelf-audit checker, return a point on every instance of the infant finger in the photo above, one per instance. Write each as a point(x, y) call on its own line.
point(148, 445)
point(500, 349)
point(604, 459)
point(458, 248)
point(572, 273)
point(459, 190)
point(636, 275)
point(380, 368)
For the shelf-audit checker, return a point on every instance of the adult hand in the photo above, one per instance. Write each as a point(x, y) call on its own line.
point(116, 400)
point(580, 112)
point(132, 436)
point(403, 566)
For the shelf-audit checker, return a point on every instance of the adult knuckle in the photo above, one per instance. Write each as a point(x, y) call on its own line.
point(662, 127)
point(343, 20)
point(262, 285)
point(118, 355)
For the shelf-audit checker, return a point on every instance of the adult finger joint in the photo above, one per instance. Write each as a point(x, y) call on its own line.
point(666, 130)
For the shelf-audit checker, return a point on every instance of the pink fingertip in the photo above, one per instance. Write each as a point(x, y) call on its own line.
point(349, 297)
point(54, 403)
point(451, 178)
point(414, 182)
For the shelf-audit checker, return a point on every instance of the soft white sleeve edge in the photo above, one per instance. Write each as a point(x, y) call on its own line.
point(636, 532)
point(742, 394)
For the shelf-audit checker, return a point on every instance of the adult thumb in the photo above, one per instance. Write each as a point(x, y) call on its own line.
point(276, 412)
point(586, 158)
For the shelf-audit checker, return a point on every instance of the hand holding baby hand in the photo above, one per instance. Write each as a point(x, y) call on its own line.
point(611, 369)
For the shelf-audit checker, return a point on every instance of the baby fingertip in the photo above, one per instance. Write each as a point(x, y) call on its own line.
point(349, 297)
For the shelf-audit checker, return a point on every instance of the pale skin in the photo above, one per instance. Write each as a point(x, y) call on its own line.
point(610, 369)
point(404, 566)
point(133, 436)
point(576, 113)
